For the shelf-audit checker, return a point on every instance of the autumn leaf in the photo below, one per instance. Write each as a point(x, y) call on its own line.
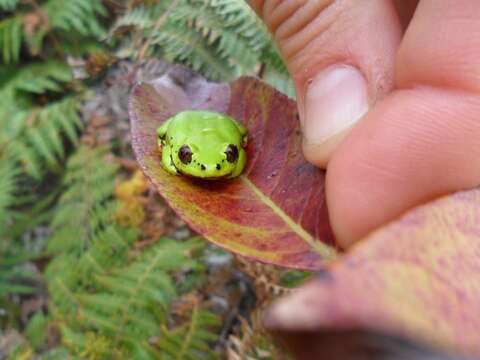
point(411, 287)
point(275, 212)
point(417, 279)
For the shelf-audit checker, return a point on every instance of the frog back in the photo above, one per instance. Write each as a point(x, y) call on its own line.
point(204, 127)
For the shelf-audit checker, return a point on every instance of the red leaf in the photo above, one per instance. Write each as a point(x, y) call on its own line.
point(275, 211)
point(417, 278)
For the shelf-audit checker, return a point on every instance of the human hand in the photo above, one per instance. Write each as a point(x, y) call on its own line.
point(388, 95)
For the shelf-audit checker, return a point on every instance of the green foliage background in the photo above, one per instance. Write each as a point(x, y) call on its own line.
point(106, 297)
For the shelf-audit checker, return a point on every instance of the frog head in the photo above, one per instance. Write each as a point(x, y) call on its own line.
point(208, 160)
point(203, 144)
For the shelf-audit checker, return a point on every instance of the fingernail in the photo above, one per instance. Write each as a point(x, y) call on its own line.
point(295, 311)
point(335, 99)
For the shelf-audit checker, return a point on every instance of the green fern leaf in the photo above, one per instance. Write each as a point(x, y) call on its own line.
point(8, 5)
point(10, 39)
point(81, 16)
point(188, 46)
point(191, 340)
point(81, 209)
point(42, 141)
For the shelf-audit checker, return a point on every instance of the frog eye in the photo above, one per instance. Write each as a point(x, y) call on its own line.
point(185, 154)
point(232, 153)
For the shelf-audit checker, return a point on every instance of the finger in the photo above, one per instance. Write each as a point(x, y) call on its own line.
point(423, 140)
point(442, 45)
point(338, 74)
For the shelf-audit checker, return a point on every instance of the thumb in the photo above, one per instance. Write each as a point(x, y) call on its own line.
point(340, 55)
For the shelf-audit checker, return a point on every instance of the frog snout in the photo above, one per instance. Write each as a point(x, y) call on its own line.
point(215, 170)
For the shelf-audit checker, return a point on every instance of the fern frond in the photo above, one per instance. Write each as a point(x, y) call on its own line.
point(137, 288)
point(35, 77)
point(190, 340)
point(280, 81)
point(109, 248)
point(71, 19)
point(10, 39)
point(125, 306)
point(139, 17)
point(8, 184)
point(240, 16)
point(210, 41)
point(17, 83)
point(189, 47)
point(8, 5)
point(222, 39)
point(41, 77)
point(41, 142)
point(82, 208)
point(8, 284)
point(81, 16)
point(12, 274)
point(100, 291)
point(88, 345)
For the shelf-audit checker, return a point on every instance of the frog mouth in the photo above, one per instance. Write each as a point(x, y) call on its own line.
point(210, 177)
point(180, 172)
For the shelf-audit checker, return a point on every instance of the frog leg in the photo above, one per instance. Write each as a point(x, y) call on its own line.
point(167, 162)
point(162, 132)
point(243, 132)
point(244, 140)
point(242, 160)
